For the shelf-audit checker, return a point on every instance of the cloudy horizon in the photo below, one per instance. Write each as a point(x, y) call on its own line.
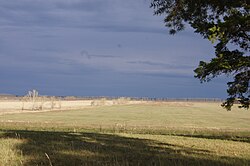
point(99, 48)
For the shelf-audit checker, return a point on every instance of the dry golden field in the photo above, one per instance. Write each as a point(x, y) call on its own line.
point(124, 133)
point(19, 106)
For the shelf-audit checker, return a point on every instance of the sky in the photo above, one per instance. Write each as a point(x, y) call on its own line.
point(99, 48)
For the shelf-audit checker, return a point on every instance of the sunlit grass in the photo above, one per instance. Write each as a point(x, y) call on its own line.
point(9, 153)
point(176, 115)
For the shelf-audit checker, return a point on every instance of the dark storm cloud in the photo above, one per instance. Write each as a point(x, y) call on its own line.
point(131, 28)
point(88, 14)
point(164, 65)
point(95, 47)
point(86, 54)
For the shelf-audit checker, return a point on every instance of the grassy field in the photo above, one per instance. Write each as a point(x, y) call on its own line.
point(173, 133)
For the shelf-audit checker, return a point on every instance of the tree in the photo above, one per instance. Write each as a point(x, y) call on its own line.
point(226, 23)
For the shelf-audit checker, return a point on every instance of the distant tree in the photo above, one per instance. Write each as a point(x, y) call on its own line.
point(226, 23)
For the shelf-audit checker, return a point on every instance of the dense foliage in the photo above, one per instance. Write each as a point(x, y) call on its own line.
point(226, 23)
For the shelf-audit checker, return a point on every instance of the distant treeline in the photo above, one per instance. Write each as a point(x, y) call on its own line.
point(66, 98)
point(8, 97)
point(145, 99)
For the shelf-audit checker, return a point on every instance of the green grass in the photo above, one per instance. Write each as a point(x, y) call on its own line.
point(152, 134)
point(193, 115)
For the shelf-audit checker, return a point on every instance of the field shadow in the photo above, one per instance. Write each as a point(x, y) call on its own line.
point(65, 148)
